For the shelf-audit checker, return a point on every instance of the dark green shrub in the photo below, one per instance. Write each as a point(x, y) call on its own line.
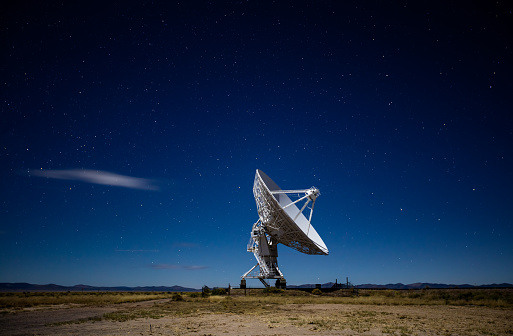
point(205, 291)
point(273, 290)
point(316, 291)
point(177, 297)
point(219, 291)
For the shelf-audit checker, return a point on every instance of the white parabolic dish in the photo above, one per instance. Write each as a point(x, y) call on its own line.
point(283, 220)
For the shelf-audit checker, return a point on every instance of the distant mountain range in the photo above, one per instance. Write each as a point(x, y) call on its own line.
point(418, 285)
point(21, 286)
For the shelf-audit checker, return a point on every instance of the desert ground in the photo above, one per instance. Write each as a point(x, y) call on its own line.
point(259, 315)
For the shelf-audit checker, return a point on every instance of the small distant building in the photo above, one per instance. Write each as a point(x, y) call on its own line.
point(337, 285)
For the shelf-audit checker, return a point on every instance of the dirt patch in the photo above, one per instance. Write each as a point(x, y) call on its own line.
point(286, 319)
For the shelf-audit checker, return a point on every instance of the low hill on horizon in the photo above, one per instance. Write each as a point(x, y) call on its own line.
point(421, 285)
point(22, 286)
point(418, 285)
point(27, 287)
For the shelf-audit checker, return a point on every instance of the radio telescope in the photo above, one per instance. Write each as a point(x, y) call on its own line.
point(280, 221)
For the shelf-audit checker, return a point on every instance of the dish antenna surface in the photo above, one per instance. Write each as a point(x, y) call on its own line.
point(280, 221)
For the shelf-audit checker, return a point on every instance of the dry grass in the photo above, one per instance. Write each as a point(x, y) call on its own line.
point(441, 312)
point(456, 297)
point(501, 298)
point(33, 299)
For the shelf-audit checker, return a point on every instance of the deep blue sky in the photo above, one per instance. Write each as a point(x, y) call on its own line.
point(131, 133)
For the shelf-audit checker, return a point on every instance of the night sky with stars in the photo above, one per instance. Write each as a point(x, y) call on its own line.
point(131, 131)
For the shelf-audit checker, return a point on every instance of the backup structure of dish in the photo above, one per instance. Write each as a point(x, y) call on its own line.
point(280, 221)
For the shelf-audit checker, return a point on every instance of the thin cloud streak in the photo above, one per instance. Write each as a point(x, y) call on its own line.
point(98, 177)
point(173, 266)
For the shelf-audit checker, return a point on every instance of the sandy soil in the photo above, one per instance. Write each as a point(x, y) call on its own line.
point(293, 319)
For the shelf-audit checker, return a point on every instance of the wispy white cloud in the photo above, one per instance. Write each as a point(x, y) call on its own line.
point(174, 266)
point(98, 177)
